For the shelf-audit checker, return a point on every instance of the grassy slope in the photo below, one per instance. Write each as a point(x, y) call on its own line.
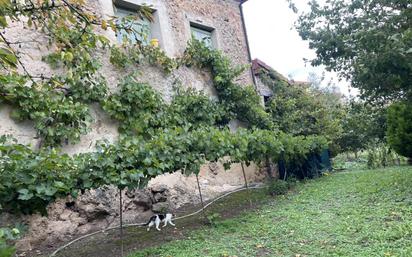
point(363, 213)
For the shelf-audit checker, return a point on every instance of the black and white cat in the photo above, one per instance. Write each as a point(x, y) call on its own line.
point(158, 218)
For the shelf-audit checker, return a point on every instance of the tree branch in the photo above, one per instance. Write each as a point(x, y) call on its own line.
point(23, 42)
point(75, 10)
point(17, 57)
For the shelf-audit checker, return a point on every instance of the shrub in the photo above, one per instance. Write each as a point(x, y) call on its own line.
point(292, 181)
point(7, 234)
point(213, 218)
point(277, 187)
point(346, 161)
point(383, 156)
point(400, 128)
point(5, 250)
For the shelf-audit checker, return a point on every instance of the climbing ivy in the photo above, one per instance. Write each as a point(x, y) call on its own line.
point(141, 110)
point(83, 84)
point(156, 137)
point(242, 101)
point(31, 180)
point(137, 106)
point(193, 108)
point(57, 118)
point(125, 56)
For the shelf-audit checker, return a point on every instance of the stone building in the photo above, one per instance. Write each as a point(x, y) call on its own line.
point(220, 23)
point(174, 23)
point(258, 67)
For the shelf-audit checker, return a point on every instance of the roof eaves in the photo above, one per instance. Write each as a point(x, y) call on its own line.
point(258, 64)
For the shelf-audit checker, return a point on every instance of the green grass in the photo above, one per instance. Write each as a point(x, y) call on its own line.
point(359, 213)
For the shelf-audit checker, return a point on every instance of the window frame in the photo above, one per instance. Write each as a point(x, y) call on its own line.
point(195, 27)
point(126, 11)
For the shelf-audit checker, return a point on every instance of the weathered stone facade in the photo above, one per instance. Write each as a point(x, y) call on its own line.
point(173, 19)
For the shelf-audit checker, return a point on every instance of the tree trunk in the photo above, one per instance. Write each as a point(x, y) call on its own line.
point(246, 185)
point(201, 198)
point(121, 223)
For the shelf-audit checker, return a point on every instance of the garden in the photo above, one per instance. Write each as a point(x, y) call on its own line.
point(319, 217)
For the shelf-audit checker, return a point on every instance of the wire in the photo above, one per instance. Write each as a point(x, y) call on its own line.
point(259, 186)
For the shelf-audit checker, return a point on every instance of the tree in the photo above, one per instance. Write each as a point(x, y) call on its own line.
point(400, 128)
point(304, 109)
point(362, 125)
point(367, 41)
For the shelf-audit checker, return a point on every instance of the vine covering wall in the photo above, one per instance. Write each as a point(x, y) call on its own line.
point(156, 137)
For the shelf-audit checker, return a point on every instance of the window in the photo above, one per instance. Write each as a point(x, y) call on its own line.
point(266, 100)
point(135, 30)
point(202, 34)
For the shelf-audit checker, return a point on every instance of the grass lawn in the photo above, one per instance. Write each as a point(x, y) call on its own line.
point(359, 213)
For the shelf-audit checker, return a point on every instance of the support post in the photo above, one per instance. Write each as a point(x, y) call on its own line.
point(201, 197)
point(121, 223)
point(246, 185)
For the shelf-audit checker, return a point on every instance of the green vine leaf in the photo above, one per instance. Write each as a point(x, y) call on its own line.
point(24, 194)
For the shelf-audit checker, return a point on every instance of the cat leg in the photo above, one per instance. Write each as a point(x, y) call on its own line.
point(157, 223)
point(171, 223)
point(165, 222)
point(150, 225)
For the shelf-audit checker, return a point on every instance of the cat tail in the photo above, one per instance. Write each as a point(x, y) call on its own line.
point(147, 223)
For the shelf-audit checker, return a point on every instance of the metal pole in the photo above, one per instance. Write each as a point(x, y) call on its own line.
point(121, 223)
point(201, 197)
point(246, 185)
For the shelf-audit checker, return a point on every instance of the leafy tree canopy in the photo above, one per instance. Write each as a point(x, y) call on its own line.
point(400, 128)
point(304, 109)
point(367, 41)
point(362, 126)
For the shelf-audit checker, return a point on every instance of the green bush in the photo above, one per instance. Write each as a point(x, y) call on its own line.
point(400, 128)
point(375, 156)
point(383, 156)
point(213, 218)
point(346, 161)
point(292, 181)
point(5, 250)
point(7, 234)
point(277, 187)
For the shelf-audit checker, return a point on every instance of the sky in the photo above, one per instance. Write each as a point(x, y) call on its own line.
point(273, 40)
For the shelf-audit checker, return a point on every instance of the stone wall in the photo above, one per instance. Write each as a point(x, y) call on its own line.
point(263, 89)
point(98, 209)
point(175, 16)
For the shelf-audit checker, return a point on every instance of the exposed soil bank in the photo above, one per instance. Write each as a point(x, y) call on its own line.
point(137, 238)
